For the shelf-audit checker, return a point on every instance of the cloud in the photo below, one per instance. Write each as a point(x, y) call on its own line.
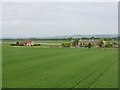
point(51, 19)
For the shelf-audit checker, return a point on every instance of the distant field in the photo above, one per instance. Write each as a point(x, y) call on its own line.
point(44, 42)
point(28, 67)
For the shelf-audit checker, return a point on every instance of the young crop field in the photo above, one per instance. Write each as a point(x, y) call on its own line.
point(34, 67)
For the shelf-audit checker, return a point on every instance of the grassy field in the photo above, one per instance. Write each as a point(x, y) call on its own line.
point(34, 67)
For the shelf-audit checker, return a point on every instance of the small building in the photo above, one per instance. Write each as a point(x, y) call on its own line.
point(84, 43)
point(26, 43)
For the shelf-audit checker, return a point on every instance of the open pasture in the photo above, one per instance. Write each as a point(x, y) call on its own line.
point(34, 67)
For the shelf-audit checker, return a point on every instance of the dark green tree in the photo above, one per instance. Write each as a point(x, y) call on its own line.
point(17, 43)
point(89, 45)
point(92, 38)
point(100, 43)
point(75, 42)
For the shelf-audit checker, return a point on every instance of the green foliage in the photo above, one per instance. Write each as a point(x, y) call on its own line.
point(100, 43)
point(17, 43)
point(69, 38)
point(92, 38)
point(107, 39)
point(75, 42)
point(37, 45)
point(89, 45)
point(66, 44)
point(108, 44)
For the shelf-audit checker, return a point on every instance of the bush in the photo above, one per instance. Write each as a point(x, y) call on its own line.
point(66, 44)
point(13, 44)
point(108, 44)
point(37, 45)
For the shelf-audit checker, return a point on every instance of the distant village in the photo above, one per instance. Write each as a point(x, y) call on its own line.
point(75, 43)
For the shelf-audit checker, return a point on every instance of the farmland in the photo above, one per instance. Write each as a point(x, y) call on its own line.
point(34, 67)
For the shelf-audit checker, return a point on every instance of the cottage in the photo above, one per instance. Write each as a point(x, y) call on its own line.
point(26, 43)
point(84, 43)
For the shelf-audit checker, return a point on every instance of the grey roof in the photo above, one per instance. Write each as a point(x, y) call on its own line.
point(89, 41)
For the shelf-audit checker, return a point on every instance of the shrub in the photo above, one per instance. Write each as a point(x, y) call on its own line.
point(37, 45)
point(66, 44)
point(108, 44)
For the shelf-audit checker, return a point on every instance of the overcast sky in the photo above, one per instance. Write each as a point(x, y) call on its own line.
point(42, 19)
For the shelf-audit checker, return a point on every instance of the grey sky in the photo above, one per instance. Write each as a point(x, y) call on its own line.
point(57, 18)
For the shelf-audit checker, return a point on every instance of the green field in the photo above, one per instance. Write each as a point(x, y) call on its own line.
point(34, 67)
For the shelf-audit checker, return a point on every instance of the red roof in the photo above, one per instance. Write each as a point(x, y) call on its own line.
point(26, 42)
